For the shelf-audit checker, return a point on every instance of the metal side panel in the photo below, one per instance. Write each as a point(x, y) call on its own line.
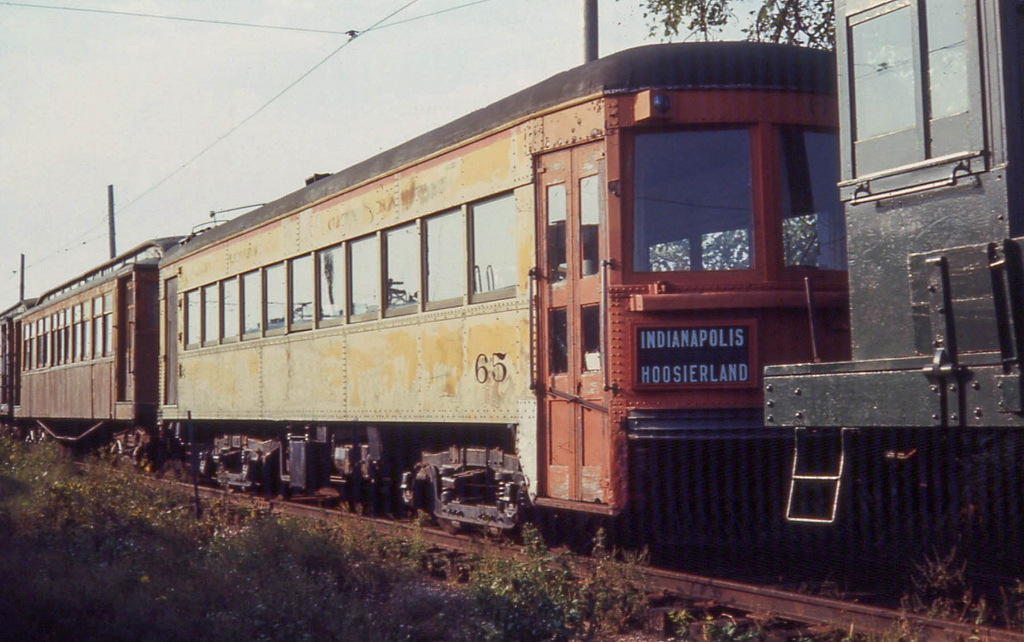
point(860, 399)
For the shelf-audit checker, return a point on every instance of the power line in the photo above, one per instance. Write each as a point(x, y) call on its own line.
point(232, 23)
point(266, 104)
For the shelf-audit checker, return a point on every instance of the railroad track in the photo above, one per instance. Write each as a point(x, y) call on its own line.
point(709, 592)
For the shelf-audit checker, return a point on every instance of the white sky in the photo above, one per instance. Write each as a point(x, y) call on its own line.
point(91, 99)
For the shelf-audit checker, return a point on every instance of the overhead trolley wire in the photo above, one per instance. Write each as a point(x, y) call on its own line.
point(351, 33)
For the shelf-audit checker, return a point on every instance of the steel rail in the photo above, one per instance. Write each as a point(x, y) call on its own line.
point(787, 605)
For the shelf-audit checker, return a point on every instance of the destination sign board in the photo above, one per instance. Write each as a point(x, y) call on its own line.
point(694, 355)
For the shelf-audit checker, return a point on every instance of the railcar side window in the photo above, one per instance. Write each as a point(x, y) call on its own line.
point(192, 319)
point(446, 251)
point(76, 344)
point(108, 326)
point(252, 303)
point(403, 268)
point(229, 308)
point(813, 226)
point(276, 287)
point(86, 332)
point(331, 268)
point(364, 278)
point(883, 65)
point(211, 314)
point(493, 223)
point(300, 281)
point(692, 207)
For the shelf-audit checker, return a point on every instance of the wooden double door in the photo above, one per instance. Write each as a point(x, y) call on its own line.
point(571, 221)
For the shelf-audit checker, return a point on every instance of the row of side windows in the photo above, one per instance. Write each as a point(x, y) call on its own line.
point(82, 332)
point(416, 266)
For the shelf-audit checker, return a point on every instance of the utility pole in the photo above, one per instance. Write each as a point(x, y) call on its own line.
point(21, 289)
point(110, 219)
point(589, 30)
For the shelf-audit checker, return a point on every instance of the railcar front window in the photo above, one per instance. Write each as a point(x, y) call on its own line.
point(330, 265)
point(813, 226)
point(252, 303)
point(692, 207)
point(364, 274)
point(494, 245)
point(229, 307)
point(884, 82)
point(403, 267)
point(301, 281)
point(446, 251)
point(277, 296)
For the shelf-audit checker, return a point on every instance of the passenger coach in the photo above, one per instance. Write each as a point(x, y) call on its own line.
point(523, 305)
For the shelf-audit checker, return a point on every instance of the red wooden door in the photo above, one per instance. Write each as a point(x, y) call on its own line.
point(571, 212)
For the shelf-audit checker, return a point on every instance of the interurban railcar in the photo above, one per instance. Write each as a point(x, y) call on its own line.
point(917, 440)
point(89, 350)
point(558, 300)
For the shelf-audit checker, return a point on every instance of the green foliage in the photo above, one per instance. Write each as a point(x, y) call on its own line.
point(810, 23)
point(544, 596)
point(98, 555)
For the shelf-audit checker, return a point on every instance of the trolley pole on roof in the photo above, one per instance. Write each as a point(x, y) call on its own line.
point(110, 219)
point(21, 288)
point(589, 30)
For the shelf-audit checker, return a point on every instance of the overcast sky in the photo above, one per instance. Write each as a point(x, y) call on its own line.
point(89, 99)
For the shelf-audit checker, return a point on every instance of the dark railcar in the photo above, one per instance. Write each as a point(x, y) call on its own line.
point(917, 441)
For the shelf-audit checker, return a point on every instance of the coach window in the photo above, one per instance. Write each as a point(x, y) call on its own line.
point(41, 343)
point(364, 278)
point(211, 314)
point(193, 320)
point(252, 305)
point(26, 357)
point(229, 318)
point(75, 344)
point(300, 288)
point(445, 262)
point(493, 248)
point(402, 273)
point(108, 326)
point(813, 226)
point(690, 214)
point(86, 331)
point(275, 287)
point(914, 83)
point(54, 339)
point(330, 267)
point(65, 318)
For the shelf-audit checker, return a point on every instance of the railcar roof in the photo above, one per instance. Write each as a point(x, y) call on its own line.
point(706, 65)
point(106, 271)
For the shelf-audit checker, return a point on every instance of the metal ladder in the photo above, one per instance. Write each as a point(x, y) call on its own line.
point(819, 456)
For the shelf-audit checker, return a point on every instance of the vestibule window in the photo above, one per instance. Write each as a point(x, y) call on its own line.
point(692, 203)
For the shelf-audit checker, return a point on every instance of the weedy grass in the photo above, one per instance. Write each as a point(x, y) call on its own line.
point(96, 556)
point(93, 554)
